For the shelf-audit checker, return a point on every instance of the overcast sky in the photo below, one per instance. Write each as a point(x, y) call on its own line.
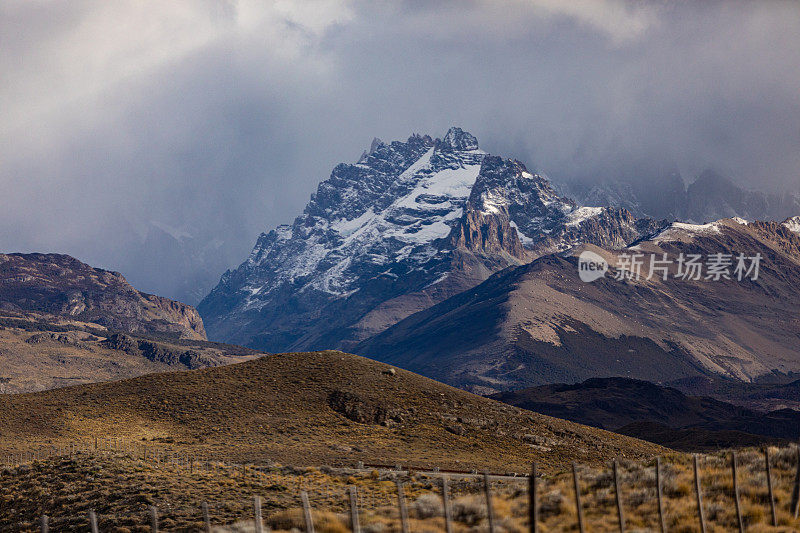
point(218, 118)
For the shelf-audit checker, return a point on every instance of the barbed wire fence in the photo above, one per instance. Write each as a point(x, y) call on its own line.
point(357, 501)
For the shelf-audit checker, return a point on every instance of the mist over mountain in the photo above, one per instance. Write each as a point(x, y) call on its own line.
point(660, 192)
point(221, 118)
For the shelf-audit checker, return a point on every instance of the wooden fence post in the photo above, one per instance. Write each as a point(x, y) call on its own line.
point(257, 512)
point(661, 517)
point(354, 524)
point(736, 493)
point(489, 507)
point(401, 503)
point(796, 492)
point(620, 513)
point(307, 512)
point(769, 487)
point(206, 518)
point(533, 509)
point(93, 522)
point(154, 519)
point(45, 524)
point(448, 517)
point(699, 493)
point(578, 505)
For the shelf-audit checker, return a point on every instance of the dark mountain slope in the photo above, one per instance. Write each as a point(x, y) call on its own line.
point(61, 286)
point(63, 322)
point(654, 413)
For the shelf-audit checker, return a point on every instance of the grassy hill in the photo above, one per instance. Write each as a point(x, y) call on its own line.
point(309, 409)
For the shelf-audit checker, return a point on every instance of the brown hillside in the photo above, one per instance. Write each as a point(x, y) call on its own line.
point(309, 409)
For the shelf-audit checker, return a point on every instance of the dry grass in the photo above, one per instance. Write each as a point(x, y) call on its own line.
point(120, 488)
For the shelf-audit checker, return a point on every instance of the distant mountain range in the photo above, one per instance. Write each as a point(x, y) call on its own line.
point(539, 323)
point(184, 263)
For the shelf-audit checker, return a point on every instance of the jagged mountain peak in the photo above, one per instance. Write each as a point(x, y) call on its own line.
point(376, 142)
point(458, 139)
point(657, 191)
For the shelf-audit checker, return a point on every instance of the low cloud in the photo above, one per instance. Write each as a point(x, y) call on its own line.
point(218, 119)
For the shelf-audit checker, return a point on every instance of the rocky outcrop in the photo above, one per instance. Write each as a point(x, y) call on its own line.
point(158, 352)
point(487, 234)
point(64, 287)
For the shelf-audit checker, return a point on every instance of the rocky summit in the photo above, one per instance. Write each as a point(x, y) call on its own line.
point(405, 227)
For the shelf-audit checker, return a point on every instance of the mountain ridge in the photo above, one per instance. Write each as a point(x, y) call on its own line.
point(539, 323)
point(660, 192)
point(64, 287)
point(63, 322)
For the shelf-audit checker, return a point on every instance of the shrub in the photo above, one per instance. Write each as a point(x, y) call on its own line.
point(427, 506)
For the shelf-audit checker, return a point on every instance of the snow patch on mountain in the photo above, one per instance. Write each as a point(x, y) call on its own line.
point(680, 230)
point(582, 214)
point(526, 241)
point(792, 224)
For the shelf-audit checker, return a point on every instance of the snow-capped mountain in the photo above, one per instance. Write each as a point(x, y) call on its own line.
point(410, 224)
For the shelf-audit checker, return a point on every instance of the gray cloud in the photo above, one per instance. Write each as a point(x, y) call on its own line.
point(218, 119)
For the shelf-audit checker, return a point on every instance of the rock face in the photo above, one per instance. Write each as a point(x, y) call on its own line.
point(409, 225)
point(62, 286)
point(539, 323)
